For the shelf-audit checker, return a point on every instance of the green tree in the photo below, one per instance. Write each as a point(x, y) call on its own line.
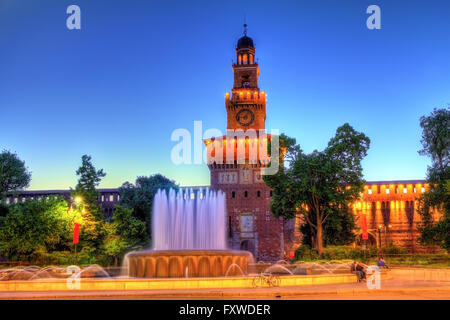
point(92, 227)
point(436, 145)
point(125, 233)
point(13, 173)
point(338, 229)
point(139, 196)
point(320, 184)
point(33, 229)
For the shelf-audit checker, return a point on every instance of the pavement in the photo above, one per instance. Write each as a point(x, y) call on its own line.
point(390, 289)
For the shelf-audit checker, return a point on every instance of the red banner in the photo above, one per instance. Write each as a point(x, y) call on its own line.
point(365, 235)
point(76, 233)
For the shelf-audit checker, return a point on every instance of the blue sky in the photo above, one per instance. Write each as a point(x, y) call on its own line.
point(137, 70)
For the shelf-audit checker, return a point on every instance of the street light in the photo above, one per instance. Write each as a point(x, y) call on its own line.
point(385, 232)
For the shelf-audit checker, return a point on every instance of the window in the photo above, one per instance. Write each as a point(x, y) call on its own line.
point(267, 216)
point(233, 194)
point(245, 194)
point(271, 192)
point(369, 191)
point(422, 190)
point(111, 197)
point(405, 190)
point(396, 189)
point(387, 190)
point(414, 190)
point(103, 198)
point(258, 194)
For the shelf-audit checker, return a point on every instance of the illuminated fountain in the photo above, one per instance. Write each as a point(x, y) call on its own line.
point(189, 239)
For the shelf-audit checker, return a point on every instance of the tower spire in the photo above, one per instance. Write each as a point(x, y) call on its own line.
point(245, 24)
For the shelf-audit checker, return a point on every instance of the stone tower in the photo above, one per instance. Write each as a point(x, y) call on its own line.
point(246, 107)
point(251, 225)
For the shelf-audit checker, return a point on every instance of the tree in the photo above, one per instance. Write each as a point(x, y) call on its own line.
point(91, 228)
point(124, 234)
point(86, 188)
point(13, 173)
point(320, 184)
point(338, 229)
point(33, 229)
point(436, 145)
point(139, 196)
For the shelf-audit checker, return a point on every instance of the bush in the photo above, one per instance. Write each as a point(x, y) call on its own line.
point(62, 258)
point(345, 252)
point(392, 249)
point(304, 252)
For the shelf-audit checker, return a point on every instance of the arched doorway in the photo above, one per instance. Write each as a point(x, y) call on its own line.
point(372, 241)
point(248, 245)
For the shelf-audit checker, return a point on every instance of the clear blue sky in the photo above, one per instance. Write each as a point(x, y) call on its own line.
point(137, 70)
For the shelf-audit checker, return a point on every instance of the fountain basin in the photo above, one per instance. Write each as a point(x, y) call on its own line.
point(187, 263)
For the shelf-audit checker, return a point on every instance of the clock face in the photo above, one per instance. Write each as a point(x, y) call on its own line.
point(245, 117)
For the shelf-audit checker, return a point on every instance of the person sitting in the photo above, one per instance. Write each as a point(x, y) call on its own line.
point(353, 269)
point(360, 269)
point(382, 263)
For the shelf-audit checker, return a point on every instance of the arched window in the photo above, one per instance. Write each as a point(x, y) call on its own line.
point(258, 194)
point(245, 59)
point(233, 194)
point(251, 59)
point(239, 59)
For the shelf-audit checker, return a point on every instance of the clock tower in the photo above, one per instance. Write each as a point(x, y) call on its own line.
point(246, 107)
point(250, 224)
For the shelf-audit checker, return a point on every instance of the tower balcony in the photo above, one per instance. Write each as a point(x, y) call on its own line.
point(246, 94)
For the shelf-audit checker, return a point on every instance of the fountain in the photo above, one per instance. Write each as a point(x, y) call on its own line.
point(188, 239)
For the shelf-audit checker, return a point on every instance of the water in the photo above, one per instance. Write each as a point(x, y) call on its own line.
point(327, 267)
point(278, 268)
point(234, 265)
point(189, 221)
point(51, 272)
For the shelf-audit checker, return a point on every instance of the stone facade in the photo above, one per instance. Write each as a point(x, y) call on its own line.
point(108, 198)
point(391, 213)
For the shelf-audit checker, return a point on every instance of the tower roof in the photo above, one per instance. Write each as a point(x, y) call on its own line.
point(245, 41)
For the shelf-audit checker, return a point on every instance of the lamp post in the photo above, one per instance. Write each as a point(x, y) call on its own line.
point(379, 236)
point(386, 227)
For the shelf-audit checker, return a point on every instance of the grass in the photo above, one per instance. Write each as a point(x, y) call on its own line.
point(420, 260)
point(406, 260)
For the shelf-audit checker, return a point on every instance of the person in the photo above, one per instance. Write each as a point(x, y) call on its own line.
point(353, 269)
point(360, 269)
point(382, 263)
